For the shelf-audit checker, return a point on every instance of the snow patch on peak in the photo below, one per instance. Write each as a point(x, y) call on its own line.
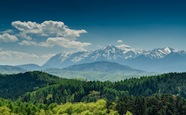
point(167, 50)
point(110, 49)
point(123, 46)
point(127, 48)
point(66, 54)
point(81, 56)
point(162, 52)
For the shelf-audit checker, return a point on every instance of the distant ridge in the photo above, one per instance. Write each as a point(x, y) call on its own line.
point(6, 69)
point(102, 66)
point(101, 71)
point(30, 67)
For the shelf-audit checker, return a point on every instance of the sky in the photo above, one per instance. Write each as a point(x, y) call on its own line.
point(31, 31)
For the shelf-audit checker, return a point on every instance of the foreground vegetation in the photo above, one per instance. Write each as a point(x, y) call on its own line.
point(40, 93)
point(151, 105)
point(97, 108)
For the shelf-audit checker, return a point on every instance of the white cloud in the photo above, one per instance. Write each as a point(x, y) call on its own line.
point(33, 43)
point(56, 33)
point(23, 35)
point(27, 27)
point(15, 55)
point(120, 41)
point(62, 42)
point(17, 58)
point(7, 31)
point(47, 28)
point(66, 43)
point(5, 37)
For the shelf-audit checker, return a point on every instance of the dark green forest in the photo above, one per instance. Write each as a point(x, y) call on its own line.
point(42, 94)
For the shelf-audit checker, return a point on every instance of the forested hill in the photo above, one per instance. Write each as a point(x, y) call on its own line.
point(15, 85)
point(162, 94)
point(172, 83)
point(41, 87)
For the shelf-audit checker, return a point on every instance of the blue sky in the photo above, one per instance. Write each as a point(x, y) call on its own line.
point(62, 25)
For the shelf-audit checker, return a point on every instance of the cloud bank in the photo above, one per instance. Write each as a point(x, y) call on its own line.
point(55, 32)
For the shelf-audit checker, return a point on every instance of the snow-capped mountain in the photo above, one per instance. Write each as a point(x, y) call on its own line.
point(108, 53)
point(158, 60)
point(162, 52)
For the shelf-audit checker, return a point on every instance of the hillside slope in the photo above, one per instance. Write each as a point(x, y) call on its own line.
point(15, 85)
point(101, 71)
point(75, 90)
point(103, 66)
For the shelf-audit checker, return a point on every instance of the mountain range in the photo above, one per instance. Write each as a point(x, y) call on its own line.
point(122, 61)
point(156, 60)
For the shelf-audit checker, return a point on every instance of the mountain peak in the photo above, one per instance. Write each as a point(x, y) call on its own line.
point(126, 49)
point(168, 50)
point(110, 46)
